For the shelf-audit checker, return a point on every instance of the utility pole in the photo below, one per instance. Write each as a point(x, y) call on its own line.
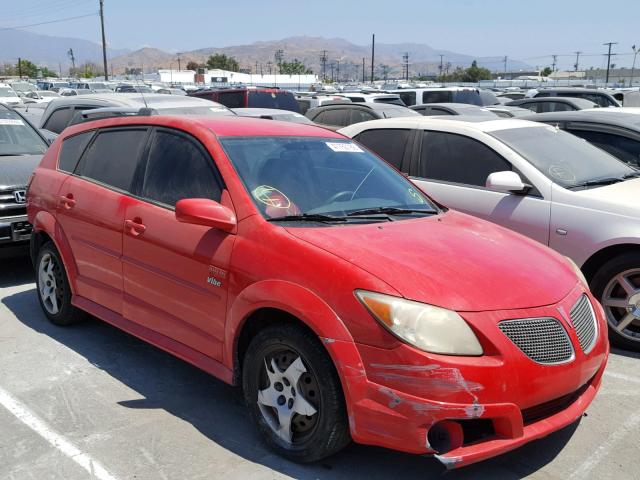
point(373, 54)
point(338, 74)
point(104, 43)
point(323, 61)
point(363, 77)
point(577, 64)
point(505, 65)
point(20, 68)
point(279, 55)
point(633, 67)
point(73, 60)
point(555, 61)
point(178, 63)
point(405, 61)
point(609, 59)
point(441, 64)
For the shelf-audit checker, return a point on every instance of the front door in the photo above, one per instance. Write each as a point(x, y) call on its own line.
point(175, 274)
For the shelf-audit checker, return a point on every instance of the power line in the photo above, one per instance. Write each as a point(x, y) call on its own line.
point(49, 22)
point(50, 7)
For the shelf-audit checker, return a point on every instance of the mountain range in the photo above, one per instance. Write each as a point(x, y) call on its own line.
point(257, 57)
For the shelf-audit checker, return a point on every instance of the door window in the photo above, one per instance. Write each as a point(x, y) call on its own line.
point(112, 158)
point(336, 117)
point(455, 158)
point(358, 116)
point(389, 144)
point(623, 148)
point(71, 151)
point(177, 168)
point(436, 97)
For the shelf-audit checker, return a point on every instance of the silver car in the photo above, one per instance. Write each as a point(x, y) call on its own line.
point(535, 179)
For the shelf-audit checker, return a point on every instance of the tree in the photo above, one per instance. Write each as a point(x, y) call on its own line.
point(294, 67)
point(87, 70)
point(195, 66)
point(546, 72)
point(27, 69)
point(473, 74)
point(222, 62)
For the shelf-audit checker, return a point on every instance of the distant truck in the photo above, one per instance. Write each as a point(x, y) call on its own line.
point(250, 98)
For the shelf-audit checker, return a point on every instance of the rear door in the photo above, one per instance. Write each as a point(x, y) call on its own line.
point(90, 209)
point(453, 169)
point(176, 274)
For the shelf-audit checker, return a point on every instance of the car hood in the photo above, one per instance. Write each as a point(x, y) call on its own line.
point(620, 198)
point(451, 260)
point(15, 170)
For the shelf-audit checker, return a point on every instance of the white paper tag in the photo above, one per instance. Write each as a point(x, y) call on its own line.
point(344, 147)
point(9, 121)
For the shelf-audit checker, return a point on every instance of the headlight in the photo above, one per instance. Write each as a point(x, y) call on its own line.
point(429, 328)
point(579, 273)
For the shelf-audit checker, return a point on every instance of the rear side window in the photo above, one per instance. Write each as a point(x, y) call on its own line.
point(232, 99)
point(71, 151)
point(113, 156)
point(358, 116)
point(436, 97)
point(178, 168)
point(389, 144)
point(455, 158)
point(408, 98)
point(58, 120)
point(336, 117)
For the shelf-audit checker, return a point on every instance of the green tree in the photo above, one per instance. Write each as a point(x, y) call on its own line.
point(222, 62)
point(473, 74)
point(195, 66)
point(546, 72)
point(294, 67)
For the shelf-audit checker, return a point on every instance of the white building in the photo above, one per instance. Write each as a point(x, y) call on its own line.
point(225, 77)
point(177, 76)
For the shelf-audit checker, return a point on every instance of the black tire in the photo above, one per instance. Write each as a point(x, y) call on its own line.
point(66, 313)
point(600, 283)
point(317, 436)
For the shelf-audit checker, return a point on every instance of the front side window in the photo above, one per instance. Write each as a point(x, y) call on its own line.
point(17, 137)
point(564, 158)
point(389, 144)
point(112, 158)
point(623, 148)
point(318, 176)
point(178, 168)
point(455, 158)
point(59, 120)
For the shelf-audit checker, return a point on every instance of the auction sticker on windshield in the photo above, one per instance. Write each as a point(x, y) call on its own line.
point(344, 147)
point(9, 121)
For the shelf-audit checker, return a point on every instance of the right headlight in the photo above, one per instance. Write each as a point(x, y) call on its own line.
point(429, 328)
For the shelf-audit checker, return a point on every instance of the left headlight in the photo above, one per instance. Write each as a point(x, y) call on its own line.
point(578, 272)
point(429, 328)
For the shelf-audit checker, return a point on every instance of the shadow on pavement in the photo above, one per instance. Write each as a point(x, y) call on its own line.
point(217, 410)
point(15, 269)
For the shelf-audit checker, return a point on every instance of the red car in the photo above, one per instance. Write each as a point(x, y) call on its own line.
point(289, 260)
point(261, 97)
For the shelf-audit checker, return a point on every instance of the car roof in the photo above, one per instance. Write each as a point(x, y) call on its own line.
point(134, 100)
point(483, 124)
point(574, 100)
point(264, 111)
point(609, 116)
point(447, 89)
point(227, 126)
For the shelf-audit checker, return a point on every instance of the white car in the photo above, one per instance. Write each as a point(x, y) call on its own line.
point(40, 96)
point(537, 180)
point(8, 96)
point(373, 97)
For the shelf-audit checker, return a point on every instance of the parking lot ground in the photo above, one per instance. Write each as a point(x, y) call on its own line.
point(90, 401)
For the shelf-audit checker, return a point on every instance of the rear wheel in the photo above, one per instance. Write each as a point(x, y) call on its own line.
point(294, 395)
point(54, 292)
point(617, 285)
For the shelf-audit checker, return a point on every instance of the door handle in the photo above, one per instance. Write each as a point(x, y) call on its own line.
point(67, 201)
point(135, 226)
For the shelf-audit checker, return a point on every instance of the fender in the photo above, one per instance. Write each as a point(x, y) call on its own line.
point(286, 296)
point(45, 222)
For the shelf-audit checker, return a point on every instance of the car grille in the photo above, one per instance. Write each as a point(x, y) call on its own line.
point(543, 340)
point(8, 205)
point(584, 321)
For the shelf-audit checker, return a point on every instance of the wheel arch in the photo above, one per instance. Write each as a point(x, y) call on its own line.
point(599, 258)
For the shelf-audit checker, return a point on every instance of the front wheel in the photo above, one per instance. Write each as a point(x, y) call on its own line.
point(294, 395)
point(617, 285)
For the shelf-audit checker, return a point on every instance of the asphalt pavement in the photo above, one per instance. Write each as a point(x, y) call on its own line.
point(90, 401)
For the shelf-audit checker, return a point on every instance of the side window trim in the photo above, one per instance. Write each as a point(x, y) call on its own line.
point(140, 173)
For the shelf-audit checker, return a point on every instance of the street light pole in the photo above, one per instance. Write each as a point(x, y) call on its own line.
point(633, 67)
point(104, 43)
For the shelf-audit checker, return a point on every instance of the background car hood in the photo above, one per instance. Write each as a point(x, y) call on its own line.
point(620, 198)
point(15, 170)
point(451, 260)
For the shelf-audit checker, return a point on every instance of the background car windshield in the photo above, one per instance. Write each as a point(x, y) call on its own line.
point(279, 100)
point(7, 92)
point(293, 175)
point(564, 158)
point(17, 137)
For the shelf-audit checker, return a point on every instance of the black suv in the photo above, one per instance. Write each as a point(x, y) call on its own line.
point(340, 115)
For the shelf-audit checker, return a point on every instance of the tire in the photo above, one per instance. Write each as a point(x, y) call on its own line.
point(291, 351)
point(621, 303)
point(53, 290)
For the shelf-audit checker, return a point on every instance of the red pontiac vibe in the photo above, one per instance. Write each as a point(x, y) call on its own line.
point(289, 260)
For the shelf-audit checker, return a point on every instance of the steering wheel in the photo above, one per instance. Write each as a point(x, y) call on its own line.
point(338, 195)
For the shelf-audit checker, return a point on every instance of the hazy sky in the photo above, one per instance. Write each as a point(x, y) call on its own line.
point(529, 31)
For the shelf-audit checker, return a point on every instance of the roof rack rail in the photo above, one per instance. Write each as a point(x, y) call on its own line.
point(110, 112)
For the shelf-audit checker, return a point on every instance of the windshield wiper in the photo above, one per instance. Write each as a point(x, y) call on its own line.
point(307, 217)
point(605, 181)
point(389, 211)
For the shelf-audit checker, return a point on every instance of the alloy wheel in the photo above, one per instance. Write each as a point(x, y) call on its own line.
point(49, 284)
point(621, 303)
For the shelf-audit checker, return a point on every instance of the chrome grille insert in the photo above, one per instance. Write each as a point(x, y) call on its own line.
point(543, 340)
point(584, 321)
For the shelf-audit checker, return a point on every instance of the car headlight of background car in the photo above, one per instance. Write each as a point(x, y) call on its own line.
point(429, 328)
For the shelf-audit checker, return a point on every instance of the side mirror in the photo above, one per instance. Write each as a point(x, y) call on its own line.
point(507, 182)
point(201, 211)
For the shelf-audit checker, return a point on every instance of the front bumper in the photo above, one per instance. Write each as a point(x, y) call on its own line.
point(14, 229)
point(502, 400)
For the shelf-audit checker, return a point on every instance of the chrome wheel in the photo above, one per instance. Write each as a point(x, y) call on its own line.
point(621, 303)
point(289, 396)
point(49, 282)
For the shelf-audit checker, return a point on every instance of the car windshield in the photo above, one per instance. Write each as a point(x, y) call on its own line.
point(564, 158)
point(399, 112)
point(279, 100)
point(293, 177)
point(7, 92)
point(17, 137)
